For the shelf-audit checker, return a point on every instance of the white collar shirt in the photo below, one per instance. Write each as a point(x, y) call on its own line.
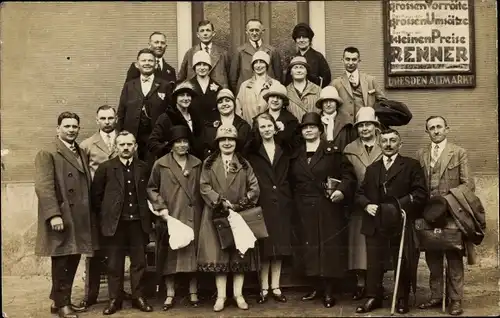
point(146, 83)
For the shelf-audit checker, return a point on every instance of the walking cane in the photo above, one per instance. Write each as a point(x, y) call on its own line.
point(398, 268)
point(444, 284)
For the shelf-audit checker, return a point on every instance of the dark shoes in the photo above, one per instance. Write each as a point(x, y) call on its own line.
point(370, 304)
point(167, 305)
point(310, 296)
point(455, 308)
point(329, 301)
point(87, 303)
point(359, 293)
point(76, 309)
point(278, 297)
point(66, 312)
point(432, 303)
point(263, 296)
point(141, 304)
point(194, 301)
point(402, 306)
point(113, 306)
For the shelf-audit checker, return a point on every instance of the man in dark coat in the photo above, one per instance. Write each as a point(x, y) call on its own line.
point(393, 181)
point(142, 101)
point(66, 227)
point(120, 200)
point(319, 71)
point(158, 44)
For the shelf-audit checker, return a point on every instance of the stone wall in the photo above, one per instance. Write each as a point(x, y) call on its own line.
point(19, 217)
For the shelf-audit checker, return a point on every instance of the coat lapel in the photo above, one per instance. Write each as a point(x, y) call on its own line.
point(137, 85)
point(137, 173)
point(231, 175)
point(445, 159)
point(154, 87)
point(317, 156)
point(69, 155)
point(395, 168)
point(345, 82)
point(340, 121)
point(277, 155)
point(427, 160)
point(294, 97)
point(85, 166)
point(170, 163)
point(249, 49)
point(364, 86)
point(215, 56)
point(219, 171)
point(118, 171)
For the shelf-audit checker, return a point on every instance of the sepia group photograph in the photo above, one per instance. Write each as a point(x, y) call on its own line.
point(333, 158)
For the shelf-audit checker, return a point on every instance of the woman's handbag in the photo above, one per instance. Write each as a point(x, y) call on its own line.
point(255, 220)
point(224, 232)
point(450, 237)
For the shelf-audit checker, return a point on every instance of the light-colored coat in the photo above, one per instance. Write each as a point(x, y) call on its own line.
point(96, 151)
point(360, 159)
point(454, 173)
point(239, 183)
point(249, 103)
point(298, 106)
point(241, 64)
point(369, 86)
point(170, 188)
point(62, 186)
point(220, 65)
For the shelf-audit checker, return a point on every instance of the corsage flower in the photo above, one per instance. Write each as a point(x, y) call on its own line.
point(214, 87)
point(280, 125)
point(216, 123)
point(186, 173)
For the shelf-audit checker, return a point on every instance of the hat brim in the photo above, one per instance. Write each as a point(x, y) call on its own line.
point(269, 94)
point(210, 65)
point(223, 137)
point(375, 122)
point(307, 66)
point(319, 102)
point(320, 126)
point(184, 90)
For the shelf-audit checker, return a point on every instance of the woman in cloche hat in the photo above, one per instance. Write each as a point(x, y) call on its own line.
point(172, 174)
point(337, 124)
point(250, 101)
point(225, 115)
point(323, 182)
point(302, 93)
point(362, 152)
point(181, 113)
point(277, 107)
point(271, 163)
point(228, 179)
point(319, 72)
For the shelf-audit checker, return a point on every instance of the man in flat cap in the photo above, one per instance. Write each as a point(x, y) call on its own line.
point(446, 167)
point(319, 71)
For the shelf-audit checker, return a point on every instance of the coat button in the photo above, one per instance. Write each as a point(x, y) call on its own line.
point(274, 187)
point(71, 190)
point(70, 174)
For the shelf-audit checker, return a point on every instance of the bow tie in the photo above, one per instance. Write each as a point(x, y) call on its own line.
point(146, 79)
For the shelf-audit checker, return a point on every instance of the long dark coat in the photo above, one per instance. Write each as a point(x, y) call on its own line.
point(205, 104)
point(169, 188)
point(239, 183)
point(63, 189)
point(288, 138)
point(210, 131)
point(275, 199)
point(321, 225)
point(343, 131)
point(159, 145)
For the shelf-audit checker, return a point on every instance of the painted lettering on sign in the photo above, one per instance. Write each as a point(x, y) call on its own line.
point(429, 38)
point(431, 81)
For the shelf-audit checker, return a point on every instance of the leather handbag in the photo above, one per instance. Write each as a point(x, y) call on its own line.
point(255, 221)
point(224, 232)
point(449, 237)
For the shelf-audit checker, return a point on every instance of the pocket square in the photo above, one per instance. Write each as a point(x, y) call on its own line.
point(161, 95)
point(371, 91)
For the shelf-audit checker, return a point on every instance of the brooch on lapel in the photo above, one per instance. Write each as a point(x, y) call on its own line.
point(267, 84)
point(233, 167)
point(216, 123)
point(186, 173)
point(214, 87)
point(161, 95)
point(280, 125)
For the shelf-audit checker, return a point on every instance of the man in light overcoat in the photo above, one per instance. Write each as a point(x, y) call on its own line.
point(66, 227)
point(357, 89)
point(446, 167)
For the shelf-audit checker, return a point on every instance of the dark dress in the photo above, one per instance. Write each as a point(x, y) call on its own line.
point(320, 226)
point(288, 138)
point(158, 144)
point(210, 131)
point(275, 199)
point(205, 104)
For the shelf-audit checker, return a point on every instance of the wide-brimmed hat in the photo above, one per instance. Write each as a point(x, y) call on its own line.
point(201, 57)
point(392, 113)
point(184, 87)
point(226, 131)
point(261, 55)
point(435, 211)
point(311, 118)
point(179, 132)
point(225, 92)
point(299, 60)
point(328, 92)
point(302, 27)
point(276, 89)
point(366, 114)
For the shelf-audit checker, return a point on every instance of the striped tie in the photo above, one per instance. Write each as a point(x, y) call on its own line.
point(435, 155)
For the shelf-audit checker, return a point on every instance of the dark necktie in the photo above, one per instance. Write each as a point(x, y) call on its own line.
point(256, 45)
point(206, 49)
point(368, 148)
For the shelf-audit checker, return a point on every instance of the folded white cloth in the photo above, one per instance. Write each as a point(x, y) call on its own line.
point(181, 235)
point(244, 239)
